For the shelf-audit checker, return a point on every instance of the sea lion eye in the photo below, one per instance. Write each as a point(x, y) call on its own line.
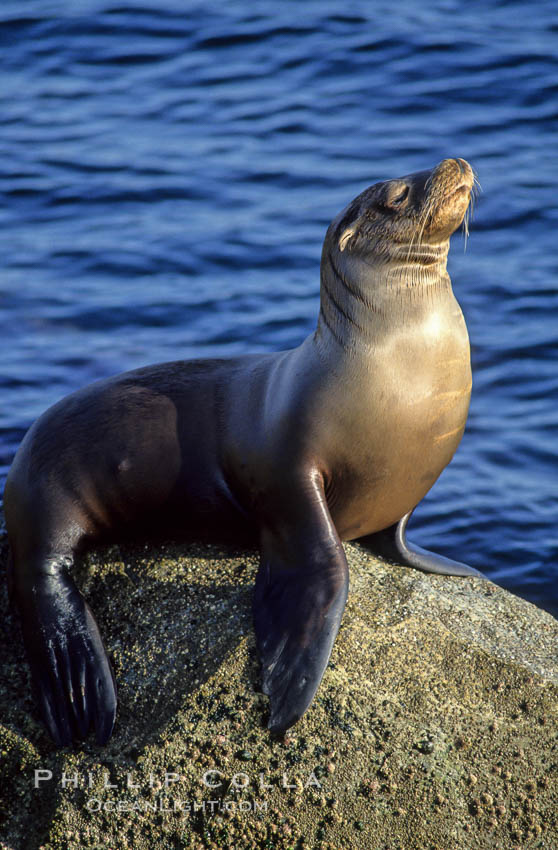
point(402, 196)
point(395, 197)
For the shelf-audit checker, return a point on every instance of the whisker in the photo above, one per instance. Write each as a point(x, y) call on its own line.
point(465, 226)
point(475, 191)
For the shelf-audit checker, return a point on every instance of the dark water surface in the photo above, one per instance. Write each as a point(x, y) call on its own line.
point(167, 173)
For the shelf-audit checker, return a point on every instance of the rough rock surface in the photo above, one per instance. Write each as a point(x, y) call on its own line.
point(435, 725)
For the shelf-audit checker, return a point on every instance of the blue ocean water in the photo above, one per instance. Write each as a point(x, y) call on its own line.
point(168, 170)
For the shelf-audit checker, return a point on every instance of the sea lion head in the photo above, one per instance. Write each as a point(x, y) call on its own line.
point(388, 248)
point(397, 219)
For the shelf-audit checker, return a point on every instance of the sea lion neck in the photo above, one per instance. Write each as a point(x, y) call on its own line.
point(361, 295)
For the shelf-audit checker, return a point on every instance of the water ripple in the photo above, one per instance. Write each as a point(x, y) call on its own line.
point(166, 180)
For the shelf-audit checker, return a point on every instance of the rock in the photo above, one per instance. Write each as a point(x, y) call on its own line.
point(435, 725)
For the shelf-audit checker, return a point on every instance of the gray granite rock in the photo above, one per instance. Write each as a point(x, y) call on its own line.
point(435, 726)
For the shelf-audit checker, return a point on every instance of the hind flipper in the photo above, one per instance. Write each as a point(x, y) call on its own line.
point(391, 544)
point(69, 666)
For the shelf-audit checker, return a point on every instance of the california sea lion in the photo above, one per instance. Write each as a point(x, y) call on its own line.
point(335, 440)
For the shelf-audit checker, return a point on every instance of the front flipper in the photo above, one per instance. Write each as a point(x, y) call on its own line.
point(69, 666)
point(392, 545)
point(300, 594)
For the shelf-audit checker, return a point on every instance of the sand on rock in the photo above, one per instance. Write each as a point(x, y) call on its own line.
point(436, 724)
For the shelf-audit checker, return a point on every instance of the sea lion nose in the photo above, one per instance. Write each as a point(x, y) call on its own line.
point(464, 166)
point(452, 167)
point(449, 164)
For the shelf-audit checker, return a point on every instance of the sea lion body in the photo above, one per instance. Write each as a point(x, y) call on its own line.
point(166, 457)
point(337, 439)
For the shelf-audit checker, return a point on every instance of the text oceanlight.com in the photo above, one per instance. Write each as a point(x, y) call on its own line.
point(166, 804)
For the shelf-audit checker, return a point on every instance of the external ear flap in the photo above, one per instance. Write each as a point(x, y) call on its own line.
point(345, 238)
